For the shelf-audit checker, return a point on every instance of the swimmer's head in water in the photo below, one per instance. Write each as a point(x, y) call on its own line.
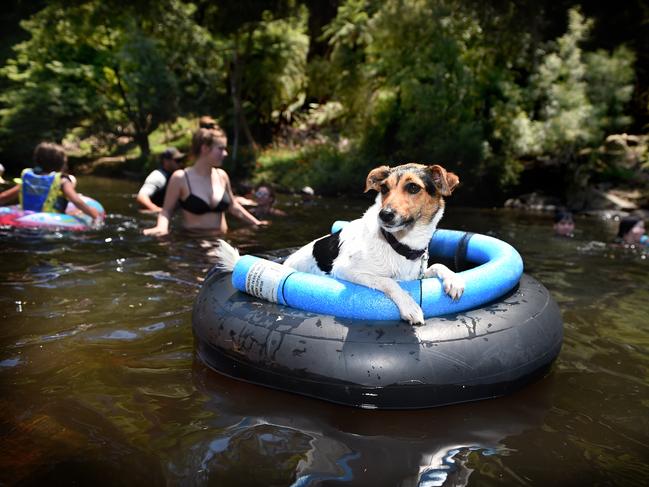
point(564, 225)
point(631, 230)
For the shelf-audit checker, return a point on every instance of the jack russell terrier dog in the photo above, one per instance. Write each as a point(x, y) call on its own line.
point(390, 241)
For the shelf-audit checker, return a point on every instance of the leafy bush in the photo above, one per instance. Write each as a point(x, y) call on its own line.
point(324, 167)
point(570, 102)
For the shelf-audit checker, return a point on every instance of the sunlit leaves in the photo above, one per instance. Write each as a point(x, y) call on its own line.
point(570, 101)
point(410, 76)
point(122, 70)
point(609, 85)
point(275, 69)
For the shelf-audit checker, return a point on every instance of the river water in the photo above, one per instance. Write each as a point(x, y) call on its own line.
point(99, 382)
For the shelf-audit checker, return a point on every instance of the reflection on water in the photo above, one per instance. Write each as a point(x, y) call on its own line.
point(99, 383)
point(380, 447)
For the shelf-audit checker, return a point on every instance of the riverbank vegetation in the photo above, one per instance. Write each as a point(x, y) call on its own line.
point(514, 96)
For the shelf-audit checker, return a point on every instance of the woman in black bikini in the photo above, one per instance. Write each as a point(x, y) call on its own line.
point(203, 190)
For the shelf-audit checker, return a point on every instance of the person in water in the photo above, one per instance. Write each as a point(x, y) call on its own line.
point(564, 225)
point(265, 199)
point(307, 195)
point(202, 191)
point(152, 193)
point(45, 187)
point(632, 231)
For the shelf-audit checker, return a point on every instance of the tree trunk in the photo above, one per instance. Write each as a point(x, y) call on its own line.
point(244, 122)
point(142, 140)
point(239, 122)
point(236, 102)
point(141, 134)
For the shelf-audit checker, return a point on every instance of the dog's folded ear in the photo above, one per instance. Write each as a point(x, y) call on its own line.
point(445, 182)
point(376, 177)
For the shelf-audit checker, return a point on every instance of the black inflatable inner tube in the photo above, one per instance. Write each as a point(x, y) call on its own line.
point(477, 354)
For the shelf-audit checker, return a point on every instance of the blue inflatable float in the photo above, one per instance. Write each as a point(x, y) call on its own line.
point(499, 270)
point(72, 220)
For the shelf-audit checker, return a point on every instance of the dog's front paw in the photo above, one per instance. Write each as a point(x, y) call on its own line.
point(411, 312)
point(453, 285)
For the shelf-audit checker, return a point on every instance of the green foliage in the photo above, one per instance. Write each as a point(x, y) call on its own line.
point(609, 80)
point(348, 36)
point(571, 101)
point(324, 166)
point(141, 85)
point(413, 80)
point(265, 44)
point(476, 86)
point(424, 80)
point(275, 68)
point(565, 116)
point(106, 69)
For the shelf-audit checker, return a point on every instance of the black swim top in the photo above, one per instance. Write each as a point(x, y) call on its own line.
point(198, 206)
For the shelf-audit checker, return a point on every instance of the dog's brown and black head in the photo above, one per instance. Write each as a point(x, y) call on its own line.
point(410, 193)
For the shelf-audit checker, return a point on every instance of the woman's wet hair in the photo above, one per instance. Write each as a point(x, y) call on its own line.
point(561, 215)
point(626, 224)
point(207, 122)
point(208, 137)
point(49, 157)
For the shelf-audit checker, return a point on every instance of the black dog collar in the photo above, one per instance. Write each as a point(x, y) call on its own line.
point(400, 248)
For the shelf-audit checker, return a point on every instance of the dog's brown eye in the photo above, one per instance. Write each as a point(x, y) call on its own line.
point(412, 188)
point(384, 189)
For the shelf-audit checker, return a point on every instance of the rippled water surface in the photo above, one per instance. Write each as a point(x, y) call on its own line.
point(100, 383)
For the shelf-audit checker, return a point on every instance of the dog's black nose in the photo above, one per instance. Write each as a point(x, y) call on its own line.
point(386, 215)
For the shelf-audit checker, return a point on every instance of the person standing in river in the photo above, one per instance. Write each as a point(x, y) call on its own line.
point(202, 191)
point(152, 193)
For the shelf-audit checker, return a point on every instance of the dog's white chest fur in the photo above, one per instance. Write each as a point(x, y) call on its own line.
point(363, 248)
